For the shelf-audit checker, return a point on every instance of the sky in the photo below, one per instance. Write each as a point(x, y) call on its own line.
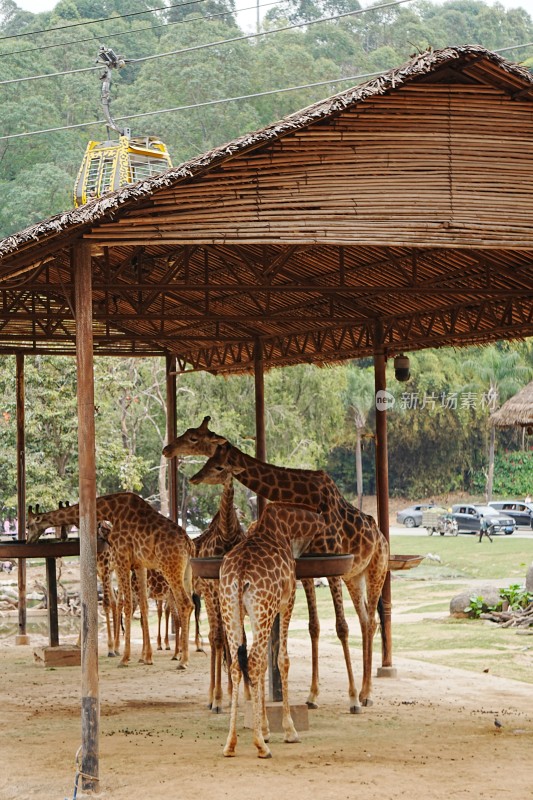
point(247, 18)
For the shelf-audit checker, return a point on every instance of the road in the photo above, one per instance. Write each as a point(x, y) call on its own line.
point(401, 530)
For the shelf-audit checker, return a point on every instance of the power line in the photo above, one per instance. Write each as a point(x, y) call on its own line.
point(219, 42)
point(206, 103)
point(137, 30)
point(191, 106)
point(101, 19)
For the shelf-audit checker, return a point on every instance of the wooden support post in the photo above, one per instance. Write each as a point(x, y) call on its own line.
point(51, 583)
point(172, 432)
point(90, 705)
point(274, 677)
point(382, 486)
point(22, 636)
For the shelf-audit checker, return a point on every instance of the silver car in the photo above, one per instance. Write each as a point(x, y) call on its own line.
point(411, 517)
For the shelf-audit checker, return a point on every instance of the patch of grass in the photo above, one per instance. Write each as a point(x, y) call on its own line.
point(465, 556)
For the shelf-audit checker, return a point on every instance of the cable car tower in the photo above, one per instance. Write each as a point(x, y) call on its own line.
point(109, 165)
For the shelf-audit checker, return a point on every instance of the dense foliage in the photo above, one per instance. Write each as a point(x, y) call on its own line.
point(438, 431)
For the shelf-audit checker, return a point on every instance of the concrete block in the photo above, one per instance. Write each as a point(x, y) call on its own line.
point(64, 655)
point(22, 638)
point(299, 714)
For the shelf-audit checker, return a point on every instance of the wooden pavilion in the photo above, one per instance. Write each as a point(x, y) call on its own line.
point(391, 217)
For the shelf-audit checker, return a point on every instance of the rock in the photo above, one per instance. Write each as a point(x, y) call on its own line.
point(458, 603)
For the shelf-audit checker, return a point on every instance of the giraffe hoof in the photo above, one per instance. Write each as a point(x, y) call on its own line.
point(159, 647)
point(310, 704)
point(175, 658)
point(268, 754)
point(356, 710)
point(123, 664)
point(167, 647)
point(181, 666)
point(229, 753)
point(117, 652)
point(216, 709)
point(368, 702)
point(111, 654)
point(292, 738)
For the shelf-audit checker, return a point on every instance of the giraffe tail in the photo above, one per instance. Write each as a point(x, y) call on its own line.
point(242, 656)
point(381, 615)
point(242, 651)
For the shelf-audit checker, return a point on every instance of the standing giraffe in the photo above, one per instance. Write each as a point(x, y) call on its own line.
point(348, 531)
point(140, 538)
point(223, 533)
point(258, 578)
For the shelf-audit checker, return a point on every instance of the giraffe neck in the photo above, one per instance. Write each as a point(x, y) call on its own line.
point(277, 483)
point(227, 520)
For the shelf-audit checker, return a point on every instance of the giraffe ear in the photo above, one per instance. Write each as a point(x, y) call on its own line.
point(218, 440)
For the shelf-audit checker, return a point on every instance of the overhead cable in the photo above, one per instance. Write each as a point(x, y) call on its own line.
point(219, 42)
point(186, 21)
point(101, 19)
point(191, 106)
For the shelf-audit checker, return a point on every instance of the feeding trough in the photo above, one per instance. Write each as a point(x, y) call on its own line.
point(404, 562)
point(311, 565)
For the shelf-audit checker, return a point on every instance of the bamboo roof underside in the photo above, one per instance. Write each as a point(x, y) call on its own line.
point(399, 210)
point(517, 411)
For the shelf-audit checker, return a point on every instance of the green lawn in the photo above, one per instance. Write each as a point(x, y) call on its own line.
point(475, 645)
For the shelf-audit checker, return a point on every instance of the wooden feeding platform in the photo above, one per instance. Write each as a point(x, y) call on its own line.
point(49, 549)
point(310, 565)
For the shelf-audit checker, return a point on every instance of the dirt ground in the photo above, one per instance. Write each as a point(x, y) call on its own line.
point(430, 733)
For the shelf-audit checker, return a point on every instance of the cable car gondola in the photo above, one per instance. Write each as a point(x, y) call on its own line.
point(111, 164)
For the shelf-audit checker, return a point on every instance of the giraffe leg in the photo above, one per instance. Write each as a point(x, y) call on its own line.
point(116, 623)
point(184, 607)
point(159, 617)
point(257, 663)
point(231, 741)
point(213, 646)
point(124, 582)
point(146, 656)
point(291, 734)
point(368, 627)
point(335, 587)
point(314, 633)
point(375, 577)
point(177, 628)
point(167, 625)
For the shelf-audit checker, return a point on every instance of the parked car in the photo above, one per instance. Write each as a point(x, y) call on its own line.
point(521, 512)
point(411, 517)
point(469, 517)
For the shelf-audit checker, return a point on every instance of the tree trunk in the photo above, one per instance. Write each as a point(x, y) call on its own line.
point(490, 474)
point(164, 464)
point(359, 468)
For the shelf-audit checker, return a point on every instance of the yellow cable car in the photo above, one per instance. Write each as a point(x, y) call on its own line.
point(109, 165)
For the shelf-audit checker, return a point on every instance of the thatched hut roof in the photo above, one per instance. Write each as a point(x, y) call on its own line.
point(397, 214)
point(517, 411)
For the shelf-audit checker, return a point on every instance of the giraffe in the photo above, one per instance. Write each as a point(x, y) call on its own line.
point(348, 531)
point(141, 538)
point(258, 577)
point(105, 567)
point(222, 534)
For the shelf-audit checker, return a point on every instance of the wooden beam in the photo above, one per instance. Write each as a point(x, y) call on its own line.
point(382, 485)
point(22, 636)
point(172, 432)
point(90, 706)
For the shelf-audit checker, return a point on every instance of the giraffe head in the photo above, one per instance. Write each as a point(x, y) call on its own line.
point(35, 524)
point(198, 441)
point(217, 469)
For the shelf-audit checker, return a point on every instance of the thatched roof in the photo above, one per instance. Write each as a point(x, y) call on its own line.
point(517, 411)
point(400, 210)
point(393, 79)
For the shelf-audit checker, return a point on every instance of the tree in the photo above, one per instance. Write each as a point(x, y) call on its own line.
point(360, 400)
point(499, 372)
